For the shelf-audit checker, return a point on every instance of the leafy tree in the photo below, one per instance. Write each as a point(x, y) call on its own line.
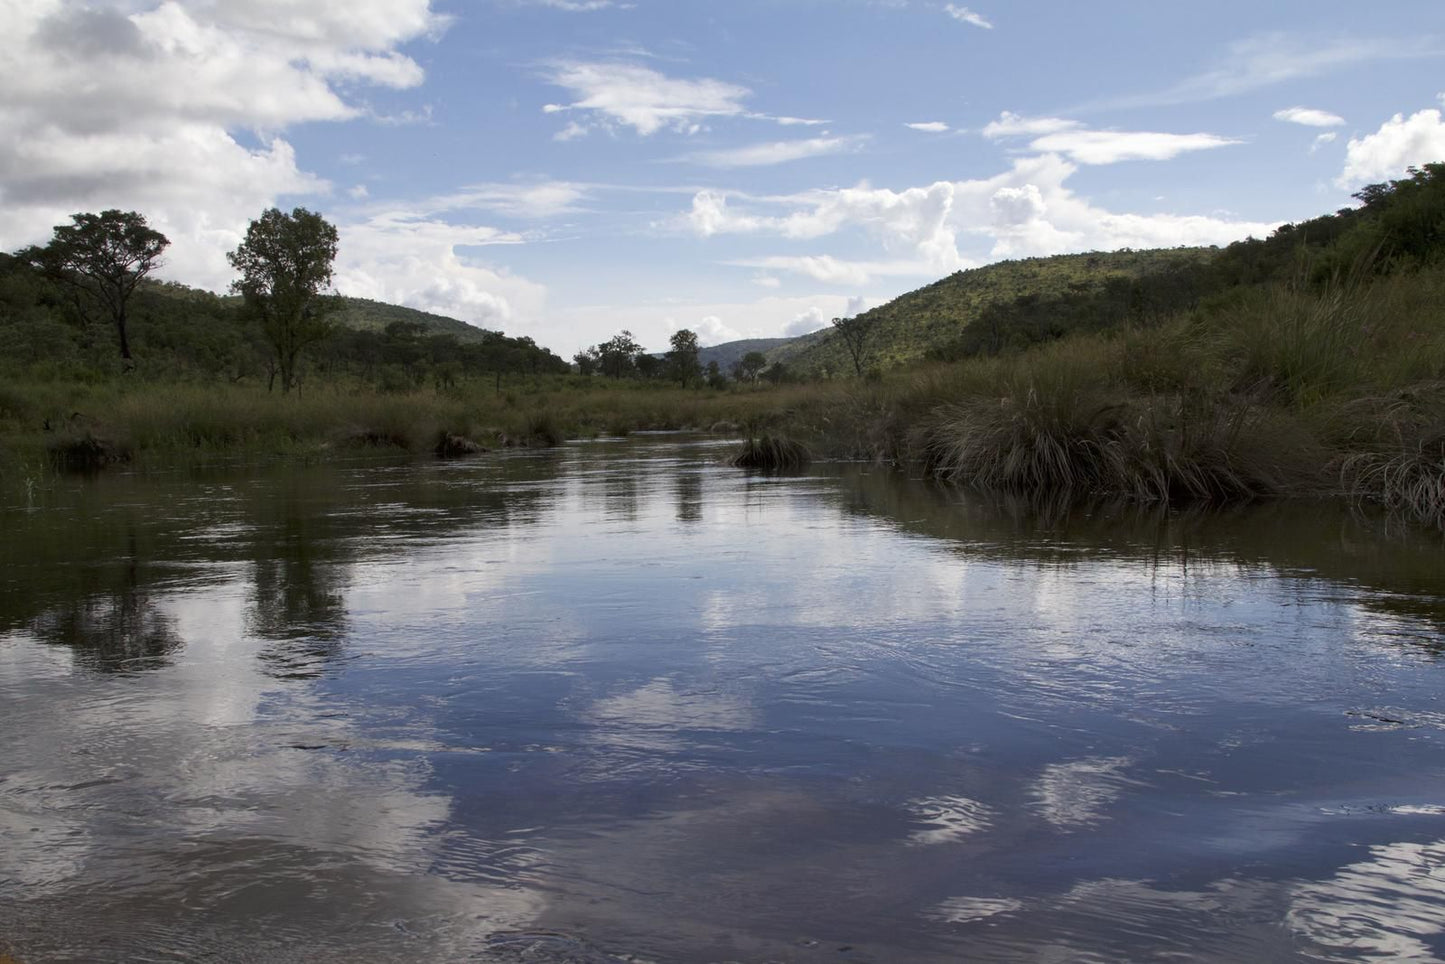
point(778, 373)
point(682, 360)
point(648, 366)
point(285, 264)
point(586, 361)
point(102, 257)
point(856, 333)
point(714, 377)
point(617, 357)
point(751, 365)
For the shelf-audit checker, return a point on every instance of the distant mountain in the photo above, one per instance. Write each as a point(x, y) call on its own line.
point(937, 316)
point(729, 352)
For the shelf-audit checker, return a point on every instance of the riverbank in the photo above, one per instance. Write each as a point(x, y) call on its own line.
point(1276, 392)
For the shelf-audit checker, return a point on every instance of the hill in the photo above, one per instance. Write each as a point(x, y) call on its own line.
point(363, 314)
point(729, 352)
point(982, 308)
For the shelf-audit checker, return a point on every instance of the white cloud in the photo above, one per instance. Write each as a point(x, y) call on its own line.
point(929, 127)
point(965, 15)
point(774, 152)
point(1010, 124)
point(1309, 117)
point(180, 78)
point(1111, 147)
point(1057, 135)
point(1329, 137)
point(838, 271)
point(806, 323)
point(643, 99)
point(526, 200)
point(712, 331)
point(410, 259)
point(581, 6)
point(931, 230)
point(1400, 143)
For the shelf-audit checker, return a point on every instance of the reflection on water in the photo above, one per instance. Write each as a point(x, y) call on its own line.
point(617, 701)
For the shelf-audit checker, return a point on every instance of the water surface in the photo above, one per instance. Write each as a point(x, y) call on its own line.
point(617, 701)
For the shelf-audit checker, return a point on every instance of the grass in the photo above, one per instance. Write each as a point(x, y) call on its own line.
point(771, 453)
point(1271, 392)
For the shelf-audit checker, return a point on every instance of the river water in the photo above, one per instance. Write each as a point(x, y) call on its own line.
point(617, 701)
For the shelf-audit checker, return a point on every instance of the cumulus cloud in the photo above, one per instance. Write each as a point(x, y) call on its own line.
point(929, 127)
point(408, 258)
point(806, 323)
point(711, 330)
point(965, 15)
point(1329, 137)
point(180, 78)
point(1309, 117)
point(931, 230)
point(775, 152)
point(1400, 143)
point(620, 94)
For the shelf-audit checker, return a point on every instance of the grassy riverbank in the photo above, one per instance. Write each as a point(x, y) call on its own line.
point(46, 425)
point(1279, 391)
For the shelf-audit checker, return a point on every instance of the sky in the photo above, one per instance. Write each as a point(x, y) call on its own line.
point(566, 169)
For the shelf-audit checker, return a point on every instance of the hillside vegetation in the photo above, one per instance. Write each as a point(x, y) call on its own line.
point(974, 309)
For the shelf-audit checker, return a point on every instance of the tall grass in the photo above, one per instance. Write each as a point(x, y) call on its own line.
point(1273, 391)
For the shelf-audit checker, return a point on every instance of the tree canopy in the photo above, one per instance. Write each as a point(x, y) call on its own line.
point(102, 257)
point(682, 360)
point(285, 265)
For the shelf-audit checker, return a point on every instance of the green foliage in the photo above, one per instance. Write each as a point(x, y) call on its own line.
point(285, 264)
point(682, 363)
point(102, 258)
point(617, 357)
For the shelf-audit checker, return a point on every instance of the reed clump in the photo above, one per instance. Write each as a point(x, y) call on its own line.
point(771, 453)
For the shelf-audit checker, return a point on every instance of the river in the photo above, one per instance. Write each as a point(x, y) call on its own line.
point(616, 701)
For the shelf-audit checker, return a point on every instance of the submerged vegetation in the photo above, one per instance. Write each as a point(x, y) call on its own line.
point(1308, 363)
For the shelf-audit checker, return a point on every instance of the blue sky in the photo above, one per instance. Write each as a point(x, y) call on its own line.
point(568, 168)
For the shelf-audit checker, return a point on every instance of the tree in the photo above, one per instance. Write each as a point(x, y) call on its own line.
point(855, 332)
point(102, 257)
point(714, 377)
point(285, 264)
point(682, 360)
point(751, 365)
point(586, 361)
point(617, 357)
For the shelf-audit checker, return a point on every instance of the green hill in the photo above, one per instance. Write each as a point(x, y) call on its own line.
point(363, 314)
point(947, 318)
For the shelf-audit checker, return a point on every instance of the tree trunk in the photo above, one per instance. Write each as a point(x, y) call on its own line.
point(126, 363)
